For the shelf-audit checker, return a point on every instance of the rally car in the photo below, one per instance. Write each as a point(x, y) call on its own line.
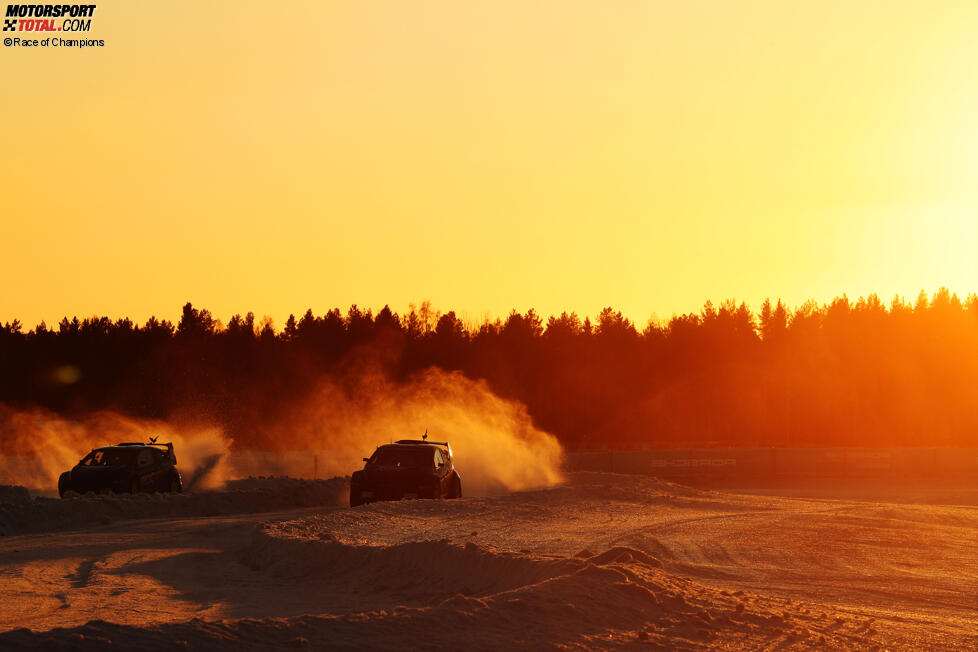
point(124, 468)
point(408, 468)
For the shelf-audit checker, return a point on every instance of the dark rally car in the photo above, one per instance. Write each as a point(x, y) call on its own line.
point(124, 468)
point(408, 468)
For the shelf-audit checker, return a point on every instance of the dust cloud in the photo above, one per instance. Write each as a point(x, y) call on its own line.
point(495, 444)
point(37, 446)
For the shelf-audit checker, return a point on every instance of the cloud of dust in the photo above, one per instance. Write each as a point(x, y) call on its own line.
point(495, 444)
point(37, 446)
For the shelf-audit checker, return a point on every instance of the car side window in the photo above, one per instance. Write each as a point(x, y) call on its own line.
point(145, 458)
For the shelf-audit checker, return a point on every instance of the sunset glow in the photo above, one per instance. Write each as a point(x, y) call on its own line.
point(489, 156)
point(489, 325)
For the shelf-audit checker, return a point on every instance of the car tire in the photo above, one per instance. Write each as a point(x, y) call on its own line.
point(356, 489)
point(62, 485)
point(356, 498)
point(456, 486)
point(134, 486)
point(175, 485)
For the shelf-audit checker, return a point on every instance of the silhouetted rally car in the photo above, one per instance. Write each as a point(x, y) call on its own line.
point(124, 468)
point(409, 468)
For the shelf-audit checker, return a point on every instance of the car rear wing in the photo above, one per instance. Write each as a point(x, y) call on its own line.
point(168, 446)
point(426, 441)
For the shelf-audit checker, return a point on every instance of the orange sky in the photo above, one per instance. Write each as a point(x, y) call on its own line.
point(489, 156)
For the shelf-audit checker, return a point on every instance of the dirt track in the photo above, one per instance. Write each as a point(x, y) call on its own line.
point(603, 561)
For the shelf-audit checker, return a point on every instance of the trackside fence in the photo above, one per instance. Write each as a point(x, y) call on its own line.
point(958, 463)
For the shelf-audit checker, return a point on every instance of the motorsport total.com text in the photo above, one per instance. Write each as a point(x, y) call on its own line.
point(44, 18)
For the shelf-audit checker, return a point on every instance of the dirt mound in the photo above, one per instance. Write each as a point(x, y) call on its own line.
point(409, 573)
point(14, 495)
point(447, 595)
point(250, 495)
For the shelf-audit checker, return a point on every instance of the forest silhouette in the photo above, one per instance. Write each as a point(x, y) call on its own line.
point(838, 374)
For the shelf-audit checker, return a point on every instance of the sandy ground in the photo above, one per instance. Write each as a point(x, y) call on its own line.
point(603, 561)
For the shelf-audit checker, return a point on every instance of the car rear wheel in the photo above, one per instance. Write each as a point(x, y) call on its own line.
point(62, 486)
point(454, 486)
point(175, 485)
point(134, 486)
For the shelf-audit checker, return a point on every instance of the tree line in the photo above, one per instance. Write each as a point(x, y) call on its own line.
point(843, 373)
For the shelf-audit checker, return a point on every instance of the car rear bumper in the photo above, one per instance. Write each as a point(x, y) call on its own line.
point(85, 482)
